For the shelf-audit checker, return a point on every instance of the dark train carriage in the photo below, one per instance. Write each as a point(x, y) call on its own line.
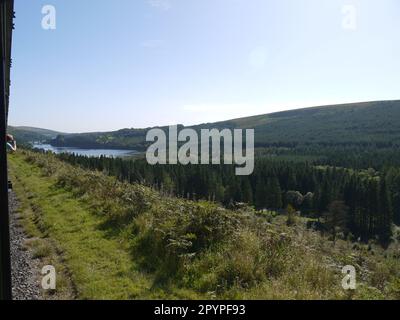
point(6, 27)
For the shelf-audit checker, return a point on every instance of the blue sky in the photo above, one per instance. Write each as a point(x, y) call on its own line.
point(112, 64)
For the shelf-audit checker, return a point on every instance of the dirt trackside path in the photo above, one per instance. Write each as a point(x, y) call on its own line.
point(25, 269)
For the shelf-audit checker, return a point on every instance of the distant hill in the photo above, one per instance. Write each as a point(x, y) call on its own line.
point(356, 123)
point(30, 134)
point(347, 124)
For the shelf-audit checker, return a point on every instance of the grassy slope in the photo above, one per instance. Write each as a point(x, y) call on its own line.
point(101, 266)
point(173, 248)
point(29, 134)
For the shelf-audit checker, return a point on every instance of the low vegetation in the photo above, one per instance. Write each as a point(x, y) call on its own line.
point(129, 241)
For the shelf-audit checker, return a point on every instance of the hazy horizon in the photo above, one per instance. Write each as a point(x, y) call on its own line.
point(163, 62)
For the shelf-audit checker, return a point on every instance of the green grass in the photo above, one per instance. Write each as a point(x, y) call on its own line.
point(101, 267)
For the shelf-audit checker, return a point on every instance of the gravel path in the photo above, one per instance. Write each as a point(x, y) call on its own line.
point(25, 269)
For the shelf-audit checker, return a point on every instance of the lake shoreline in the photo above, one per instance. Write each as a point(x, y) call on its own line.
point(90, 152)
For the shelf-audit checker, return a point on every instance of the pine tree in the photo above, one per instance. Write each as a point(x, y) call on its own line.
point(273, 194)
point(385, 213)
point(323, 196)
point(247, 193)
point(260, 194)
point(336, 218)
point(393, 181)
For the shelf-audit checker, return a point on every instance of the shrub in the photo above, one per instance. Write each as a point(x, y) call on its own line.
point(291, 215)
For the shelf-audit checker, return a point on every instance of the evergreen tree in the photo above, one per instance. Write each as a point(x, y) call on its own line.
point(336, 218)
point(274, 194)
point(260, 194)
point(385, 213)
point(247, 193)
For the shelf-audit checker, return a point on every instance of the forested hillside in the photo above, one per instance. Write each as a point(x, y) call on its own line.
point(357, 123)
point(369, 123)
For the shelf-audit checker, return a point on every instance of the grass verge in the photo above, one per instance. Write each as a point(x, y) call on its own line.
point(64, 232)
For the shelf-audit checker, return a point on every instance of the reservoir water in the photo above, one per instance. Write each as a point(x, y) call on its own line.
point(115, 153)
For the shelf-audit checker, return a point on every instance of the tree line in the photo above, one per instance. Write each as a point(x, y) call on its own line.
point(360, 203)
